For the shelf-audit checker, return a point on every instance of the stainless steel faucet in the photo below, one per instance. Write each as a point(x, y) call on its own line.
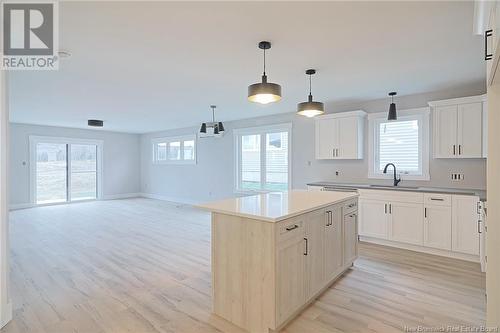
point(396, 180)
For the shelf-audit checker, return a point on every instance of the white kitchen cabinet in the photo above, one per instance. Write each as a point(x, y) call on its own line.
point(373, 217)
point(333, 242)
point(406, 222)
point(340, 135)
point(437, 227)
point(350, 229)
point(465, 224)
point(458, 127)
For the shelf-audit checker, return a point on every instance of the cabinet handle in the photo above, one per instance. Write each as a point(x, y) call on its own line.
point(425, 212)
point(337, 152)
point(459, 149)
point(328, 217)
point(385, 208)
point(351, 205)
point(437, 199)
point(479, 227)
point(390, 208)
point(454, 150)
point(305, 253)
point(292, 227)
point(487, 33)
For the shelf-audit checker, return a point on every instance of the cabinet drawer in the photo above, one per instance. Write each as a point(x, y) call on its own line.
point(350, 206)
point(437, 199)
point(289, 229)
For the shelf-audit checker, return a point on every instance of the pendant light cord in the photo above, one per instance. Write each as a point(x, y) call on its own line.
point(264, 61)
point(213, 114)
point(310, 84)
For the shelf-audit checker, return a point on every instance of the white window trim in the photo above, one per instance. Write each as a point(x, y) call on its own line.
point(34, 140)
point(181, 139)
point(375, 118)
point(237, 133)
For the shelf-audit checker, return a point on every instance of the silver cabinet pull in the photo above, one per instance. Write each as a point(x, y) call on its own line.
point(437, 199)
point(390, 208)
point(305, 253)
point(479, 227)
point(351, 205)
point(291, 227)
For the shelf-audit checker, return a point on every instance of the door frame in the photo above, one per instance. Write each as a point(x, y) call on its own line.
point(34, 140)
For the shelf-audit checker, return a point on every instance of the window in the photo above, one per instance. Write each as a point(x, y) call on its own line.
point(175, 150)
point(263, 158)
point(404, 142)
point(64, 169)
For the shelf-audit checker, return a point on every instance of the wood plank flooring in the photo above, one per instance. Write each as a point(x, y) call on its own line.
point(142, 265)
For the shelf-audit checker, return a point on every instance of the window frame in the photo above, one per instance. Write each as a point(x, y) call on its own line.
point(374, 121)
point(167, 140)
point(34, 140)
point(260, 130)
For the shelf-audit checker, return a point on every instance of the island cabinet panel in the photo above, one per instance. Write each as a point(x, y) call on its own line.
point(264, 273)
point(333, 242)
point(243, 269)
point(290, 274)
point(315, 251)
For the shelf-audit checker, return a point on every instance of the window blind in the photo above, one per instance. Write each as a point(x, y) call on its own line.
point(399, 144)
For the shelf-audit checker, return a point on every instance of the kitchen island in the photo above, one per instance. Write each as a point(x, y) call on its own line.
point(274, 253)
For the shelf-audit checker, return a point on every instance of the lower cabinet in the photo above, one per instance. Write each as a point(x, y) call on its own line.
point(333, 242)
point(465, 225)
point(350, 228)
point(315, 251)
point(290, 279)
point(437, 227)
point(406, 222)
point(373, 214)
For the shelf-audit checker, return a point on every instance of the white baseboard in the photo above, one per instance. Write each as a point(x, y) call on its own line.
point(121, 196)
point(6, 315)
point(170, 199)
point(417, 248)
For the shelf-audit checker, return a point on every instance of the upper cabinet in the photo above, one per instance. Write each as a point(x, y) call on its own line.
point(458, 127)
point(487, 24)
point(340, 135)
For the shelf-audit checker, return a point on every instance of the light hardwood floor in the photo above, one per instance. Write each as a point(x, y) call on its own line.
point(141, 265)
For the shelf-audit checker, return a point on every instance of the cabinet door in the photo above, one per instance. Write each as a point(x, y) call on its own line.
point(465, 236)
point(373, 218)
point(333, 242)
point(406, 222)
point(290, 277)
point(437, 227)
point(315, 252)
point(470, 130)
point(350, 237)
point(445, 131)
point(326, 138)
point(348, 138)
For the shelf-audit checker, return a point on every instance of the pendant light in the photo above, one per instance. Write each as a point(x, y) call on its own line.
point(310, 108)
point(392, 108)
point(215, 128)
point(264, 92)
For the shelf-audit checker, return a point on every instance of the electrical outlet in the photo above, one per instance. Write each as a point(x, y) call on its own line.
point(337, 173)
point(457, 176)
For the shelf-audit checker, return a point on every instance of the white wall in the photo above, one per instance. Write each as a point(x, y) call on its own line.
point(121, 166)
point(213, 176)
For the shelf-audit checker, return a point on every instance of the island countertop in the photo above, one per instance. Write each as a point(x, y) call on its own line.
point(277, 206)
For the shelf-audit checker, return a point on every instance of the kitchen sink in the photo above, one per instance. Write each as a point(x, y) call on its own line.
point(395, 187)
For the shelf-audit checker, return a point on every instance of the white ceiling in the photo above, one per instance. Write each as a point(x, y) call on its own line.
point(143, 67)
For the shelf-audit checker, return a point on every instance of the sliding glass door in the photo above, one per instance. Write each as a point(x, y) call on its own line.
point(64, 171)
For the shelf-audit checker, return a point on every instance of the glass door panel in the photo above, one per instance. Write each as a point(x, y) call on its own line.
point(250, 162)
point(276, 161)
point(83, 172)
point(51, 172)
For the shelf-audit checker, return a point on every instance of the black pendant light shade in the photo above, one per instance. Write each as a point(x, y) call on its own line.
point(215, 128)
point(203, 128)
point(310, 108)
point(392, 108)
point(264, 92)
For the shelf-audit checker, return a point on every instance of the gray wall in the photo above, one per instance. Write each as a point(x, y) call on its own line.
point(213, 176)
point(121, 167)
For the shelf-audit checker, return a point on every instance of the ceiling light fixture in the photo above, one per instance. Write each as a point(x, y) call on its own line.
point(392, 108)
point(212, 129)
point(264, 92)
point(95, 123)
point(310, 108)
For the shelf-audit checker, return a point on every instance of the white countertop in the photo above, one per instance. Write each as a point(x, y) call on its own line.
point(277, 206)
